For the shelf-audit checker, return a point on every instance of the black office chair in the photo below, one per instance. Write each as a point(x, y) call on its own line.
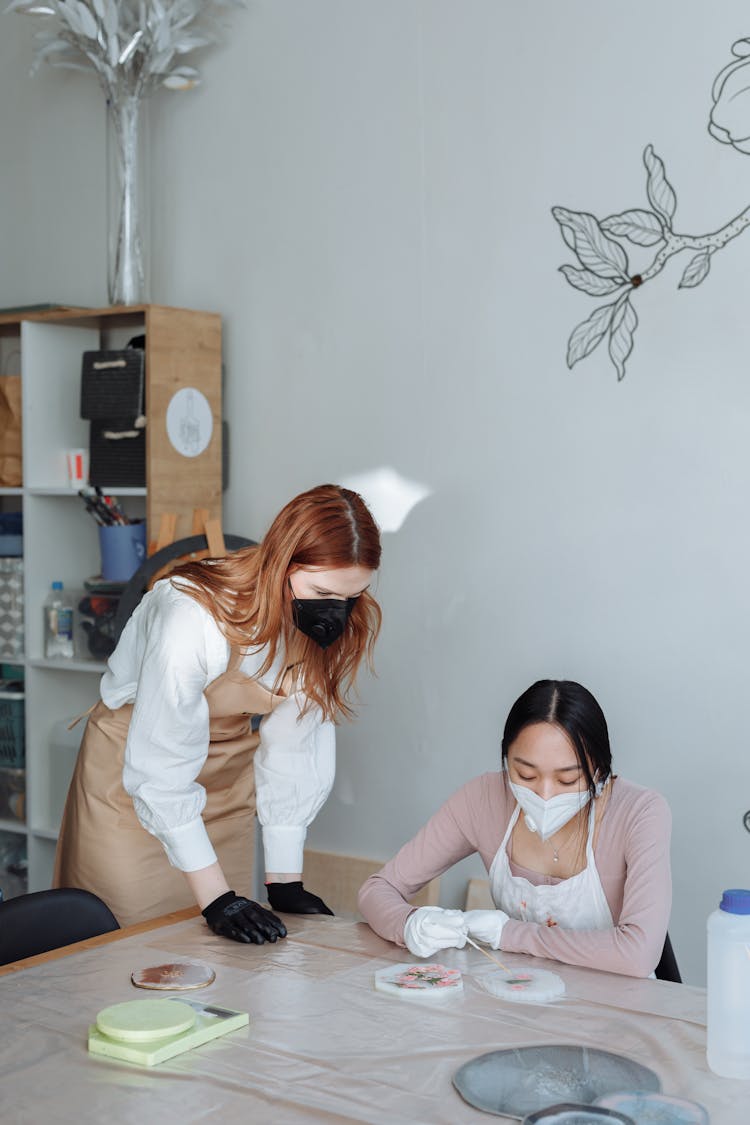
point(667, 967)
point(174, 554)
point(45, 920)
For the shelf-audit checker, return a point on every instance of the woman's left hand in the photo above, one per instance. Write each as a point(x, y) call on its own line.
point(292, 898)
point(486, 925)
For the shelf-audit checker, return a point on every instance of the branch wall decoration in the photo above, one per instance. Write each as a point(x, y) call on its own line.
point(600, 245)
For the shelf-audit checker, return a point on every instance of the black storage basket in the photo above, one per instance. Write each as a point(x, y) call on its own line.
point(112, 384)
point(117, 462)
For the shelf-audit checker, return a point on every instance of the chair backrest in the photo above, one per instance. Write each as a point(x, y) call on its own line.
point(44, 920)
point(157, 566)
point(337, 879)
point(478, 895)
point(667, 967)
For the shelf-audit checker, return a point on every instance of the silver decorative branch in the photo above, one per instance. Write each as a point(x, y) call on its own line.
point(133, 46)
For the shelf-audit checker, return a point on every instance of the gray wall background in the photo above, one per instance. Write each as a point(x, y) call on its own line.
point(363, 190)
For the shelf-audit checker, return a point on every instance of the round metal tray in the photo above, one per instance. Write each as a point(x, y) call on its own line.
point(523, 1080)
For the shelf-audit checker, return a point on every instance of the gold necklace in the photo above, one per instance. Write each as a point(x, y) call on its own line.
point(556, 850)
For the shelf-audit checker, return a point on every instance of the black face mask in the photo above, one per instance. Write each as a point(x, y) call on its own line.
point(323, 620)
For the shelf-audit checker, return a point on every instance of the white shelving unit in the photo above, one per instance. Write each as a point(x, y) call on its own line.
point(183, 349)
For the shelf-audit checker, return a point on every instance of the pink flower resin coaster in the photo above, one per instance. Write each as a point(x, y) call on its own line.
point(178, 977)
point(523, 986)
point(420, 982)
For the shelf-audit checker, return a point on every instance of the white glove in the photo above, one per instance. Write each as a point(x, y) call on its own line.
point(431, 928)
point(486, 925)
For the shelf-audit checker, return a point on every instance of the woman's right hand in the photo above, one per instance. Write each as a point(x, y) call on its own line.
point(236, 917)
point(430, 928)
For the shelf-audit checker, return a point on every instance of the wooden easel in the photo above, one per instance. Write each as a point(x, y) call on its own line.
point(202, 525)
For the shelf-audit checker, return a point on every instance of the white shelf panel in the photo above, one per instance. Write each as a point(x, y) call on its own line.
point(62, 664)
point(11, 492)
point(61, 543)
point(51, 377)
point(108, 490)
point(44, 833)
point(13, 826)
point(51, 747)
point(10, 658)
point(117, 490)
point(59, 490)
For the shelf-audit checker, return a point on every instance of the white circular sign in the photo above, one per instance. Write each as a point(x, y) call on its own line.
point(190, 422)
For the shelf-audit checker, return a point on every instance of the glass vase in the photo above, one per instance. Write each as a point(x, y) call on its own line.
point(127, 201)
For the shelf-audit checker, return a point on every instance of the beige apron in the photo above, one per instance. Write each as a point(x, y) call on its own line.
point(102, 847)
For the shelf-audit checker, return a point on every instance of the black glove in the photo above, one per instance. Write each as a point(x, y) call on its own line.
point(292, 898)
point(238, 918)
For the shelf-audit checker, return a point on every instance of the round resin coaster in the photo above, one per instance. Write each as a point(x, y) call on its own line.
point(656, 1109)
point(577, 1114)
point(420, 982)
point(524, 986)
point(179, 977)
point(144, 1021)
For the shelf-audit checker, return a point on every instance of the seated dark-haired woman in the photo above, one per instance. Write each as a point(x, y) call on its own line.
point(578, 858)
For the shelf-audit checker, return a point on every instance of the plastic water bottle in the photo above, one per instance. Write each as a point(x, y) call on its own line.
point(728, 1039)
point(58, 623)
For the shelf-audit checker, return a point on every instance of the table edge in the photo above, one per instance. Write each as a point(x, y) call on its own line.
point(103, 939)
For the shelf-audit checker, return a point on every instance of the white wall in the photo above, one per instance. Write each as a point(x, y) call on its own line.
point(363, 190)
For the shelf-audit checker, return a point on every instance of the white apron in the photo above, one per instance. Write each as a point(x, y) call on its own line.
point(578, 903)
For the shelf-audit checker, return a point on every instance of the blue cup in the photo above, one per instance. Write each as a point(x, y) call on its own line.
point(123, 549)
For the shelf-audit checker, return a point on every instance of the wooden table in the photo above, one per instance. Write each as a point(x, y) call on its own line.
point(322, 1045)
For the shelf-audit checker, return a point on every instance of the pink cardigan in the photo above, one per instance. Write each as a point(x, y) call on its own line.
point(632, 857)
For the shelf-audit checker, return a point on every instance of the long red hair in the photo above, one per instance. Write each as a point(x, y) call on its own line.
point(248, 593)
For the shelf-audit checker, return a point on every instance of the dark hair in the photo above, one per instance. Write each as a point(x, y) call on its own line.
point(573, 708)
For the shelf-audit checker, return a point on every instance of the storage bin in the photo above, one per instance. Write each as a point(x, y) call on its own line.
point(12, 743)
point(11, 534)
point(13, 795)
point(117, 462)
point(112, 398)
point(112, 384)
point(11, 607)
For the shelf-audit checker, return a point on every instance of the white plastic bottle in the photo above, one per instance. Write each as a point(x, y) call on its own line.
point(58, 623)
point(728, 986)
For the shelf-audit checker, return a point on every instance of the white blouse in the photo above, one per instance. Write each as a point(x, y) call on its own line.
point(170, 651)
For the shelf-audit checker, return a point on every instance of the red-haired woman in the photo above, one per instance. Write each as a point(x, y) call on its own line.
point(278, 631)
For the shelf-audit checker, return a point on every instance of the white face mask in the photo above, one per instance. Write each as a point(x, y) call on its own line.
point(548, 817)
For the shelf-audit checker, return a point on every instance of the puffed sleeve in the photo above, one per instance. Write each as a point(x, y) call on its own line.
point(295, 765)
point(168, 736)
